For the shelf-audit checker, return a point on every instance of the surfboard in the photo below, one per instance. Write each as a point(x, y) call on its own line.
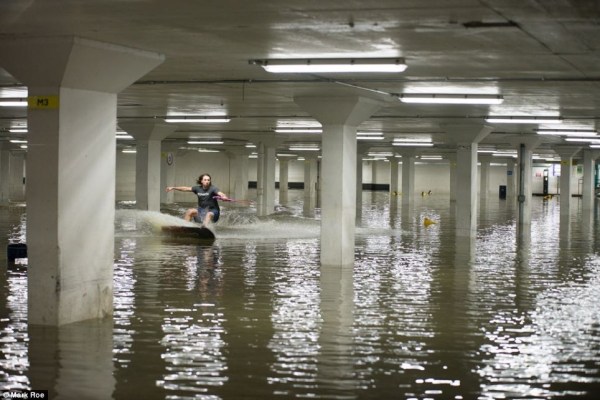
point(198, 232)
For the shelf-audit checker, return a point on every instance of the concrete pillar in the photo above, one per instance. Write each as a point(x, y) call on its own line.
point(16, 190)
point(4, 173)
point(451, 157)
point(283, 179)
point(265, 183)
point(511, 180)
point(566, 154)
point(409, 157)
point(238, 183)
point(589, 171)
point(310, 181)
point(361, 151)
point(466, 137)
point(484, 188)
point(148, 137)
point(71, 171)
point(525, 146)
point(393, 176)
point(168, 160)
point(339, 117)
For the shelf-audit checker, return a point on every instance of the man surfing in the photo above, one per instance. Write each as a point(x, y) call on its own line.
point(208, 210)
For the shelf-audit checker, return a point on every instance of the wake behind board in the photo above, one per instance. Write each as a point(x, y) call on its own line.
point(195, 232)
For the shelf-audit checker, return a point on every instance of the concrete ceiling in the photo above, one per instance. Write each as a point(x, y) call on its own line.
point(543, 56)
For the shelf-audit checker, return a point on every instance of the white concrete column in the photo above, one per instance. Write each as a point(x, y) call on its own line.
point(148, 137)
point(484, 188)
point(168, 160)
point(71, 170)
point(589, 163)
point(566, 154)
point(17, 190)
point(339, 117)
point(310, 181)
point(283, 179)
point(4, 173)
point(393, 176)
point(361, 150)
point(409, 158)
point(511, 180)
point(265, 183)
point(466, 137)
point(525, 146)
point(238, 183)
point(451, 157)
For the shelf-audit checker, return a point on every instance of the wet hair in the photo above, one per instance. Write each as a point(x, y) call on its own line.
point(199, 180)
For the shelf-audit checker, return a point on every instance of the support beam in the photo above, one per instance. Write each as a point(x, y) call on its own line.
point(466, 138)
point(148, 136)
point(71, 169)
point(339, 116)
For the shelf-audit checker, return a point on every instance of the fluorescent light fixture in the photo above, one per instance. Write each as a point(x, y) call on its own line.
point(250, 146)
point(431, 157)
point(205, 142)
point(451, 98)
point(380, 154)
point(566, 132)
point(300, 148)
point(129, 151)
point(589, 140)
point(326, 65)
point(287, 155)
point(298, 130)
point(124, 137)
point(201, 150)
point(23, 146)
point(13, 102)
point(594, 146)
point(412, 140)
point(367, 133)
point(197, 119)
point(414, 144)
point(18, 130)
point(370, 137)
point(17, 141)
point(524, 120)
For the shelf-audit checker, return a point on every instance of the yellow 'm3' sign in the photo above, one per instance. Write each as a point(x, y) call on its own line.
point(42, 102)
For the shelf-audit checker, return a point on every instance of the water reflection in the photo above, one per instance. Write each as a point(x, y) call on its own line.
point(422, 314)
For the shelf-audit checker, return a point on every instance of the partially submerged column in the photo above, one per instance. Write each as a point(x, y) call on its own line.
point(168, 160)
point(484, 189)
point(238, 183)
point(361, 150)
point(17, 190)
point(393, 176)
point(451, 157)
point(310, 181)
point(339, 117)
point(466, 138)
point(525, 145)
point(148, 137)
point(511, 179)
point(409, 157)
point(566, 154)
point(265, 182)
point(71, 169)
point(283, 179)
point(589, 169)
point(4, 172)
